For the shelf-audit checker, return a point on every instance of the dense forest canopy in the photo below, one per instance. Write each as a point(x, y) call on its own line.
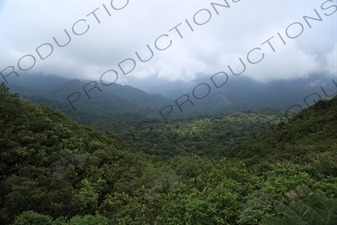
point(54, 170)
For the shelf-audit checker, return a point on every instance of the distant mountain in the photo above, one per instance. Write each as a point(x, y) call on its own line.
point(113, 108)
point(118, 107)
point(38, 81)
point(243, 93)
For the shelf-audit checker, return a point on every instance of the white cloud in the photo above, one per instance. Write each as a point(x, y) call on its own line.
point(288, 62)
point(330, 63)
point(207, 50)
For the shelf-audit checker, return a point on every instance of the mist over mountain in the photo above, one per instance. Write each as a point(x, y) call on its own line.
point(119, 106)
point(109, 109)
point(37, 81)
point(244, 90)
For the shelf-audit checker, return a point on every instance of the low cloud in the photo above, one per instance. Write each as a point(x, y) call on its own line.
point(227, 35)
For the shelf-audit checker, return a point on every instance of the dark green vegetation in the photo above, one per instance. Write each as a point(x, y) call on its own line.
point(55, 171)
point(209, 136)
point(311, 131)
point(118, 107)
point(112, 109)
point(306, 207)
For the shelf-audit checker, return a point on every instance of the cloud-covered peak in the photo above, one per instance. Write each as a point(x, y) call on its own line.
point(173, 41)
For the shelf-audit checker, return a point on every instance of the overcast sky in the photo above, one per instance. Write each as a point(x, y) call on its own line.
point(224, 35)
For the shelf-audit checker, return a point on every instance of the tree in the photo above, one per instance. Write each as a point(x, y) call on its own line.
point(33, 218)
point(4, 90)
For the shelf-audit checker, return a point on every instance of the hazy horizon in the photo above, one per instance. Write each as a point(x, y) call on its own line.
point(294, 38)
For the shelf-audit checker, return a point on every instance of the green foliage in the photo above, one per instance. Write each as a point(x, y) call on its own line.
point(305, 136)
point(190, 166)
point(56, 171)
point(284, 177)
point(33, 218)
point(85, 220)
point(210, 136)
point(53, 165)
point(256, 207)
point(4, 90)
point(86, 199)
point(306, 207)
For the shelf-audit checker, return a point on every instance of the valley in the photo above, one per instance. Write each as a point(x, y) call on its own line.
point(226, 168)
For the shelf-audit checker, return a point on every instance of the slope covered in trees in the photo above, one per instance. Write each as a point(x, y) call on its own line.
point(52, 164)
point(117, 107)
point(56, 171)
point(106, 109)
point(210, 136)
point(310, 132)
point(134, 116)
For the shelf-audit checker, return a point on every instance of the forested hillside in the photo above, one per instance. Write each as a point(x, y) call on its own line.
point(210, 136)
point(310, 132)
point(117, 108)
point(51, 164)
point(134, 116)
point(56, 171)
point(110, 109)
